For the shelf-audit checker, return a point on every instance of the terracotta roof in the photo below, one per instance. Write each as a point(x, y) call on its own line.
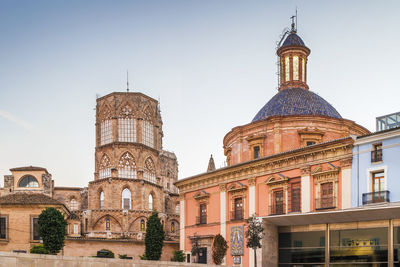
point(26, 198)
point(29, 168)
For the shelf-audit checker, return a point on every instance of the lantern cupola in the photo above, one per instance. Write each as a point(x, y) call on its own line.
point(293, 55)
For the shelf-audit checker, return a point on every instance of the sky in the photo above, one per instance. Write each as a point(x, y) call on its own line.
point(211, 63)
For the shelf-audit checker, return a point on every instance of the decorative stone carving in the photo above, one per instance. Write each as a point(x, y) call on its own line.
point(252, 181)
point(8, 181)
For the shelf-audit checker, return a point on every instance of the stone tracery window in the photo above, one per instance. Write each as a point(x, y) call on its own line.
point(126, 125)
point(148, 129)
point(149, 171)
point(101, 200)
point(127, 166)
point(151, 206)
point(105, 127)
point(126, 199)
point(105, 167)
point(73, 204)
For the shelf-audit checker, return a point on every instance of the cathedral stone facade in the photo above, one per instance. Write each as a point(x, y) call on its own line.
point(133, 177)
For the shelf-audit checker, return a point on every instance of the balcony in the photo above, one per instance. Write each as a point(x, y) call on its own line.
point(325, 203)
point(202, 219)
point(375, 197)
point(237, 215)
point(376, 155)
point(277, 209)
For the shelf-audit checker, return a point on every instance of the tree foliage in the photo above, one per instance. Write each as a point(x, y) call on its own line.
point(254, 234)
point(179, 256)
point(219, 249)
point(52, 229)
point(38, 249)
point(154, 239)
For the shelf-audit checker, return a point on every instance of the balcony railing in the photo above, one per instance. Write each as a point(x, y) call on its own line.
point(202, 219)
point(376, 155)
point(376, 197)
point(278, 208)
point(236, 215)
point(325, 203)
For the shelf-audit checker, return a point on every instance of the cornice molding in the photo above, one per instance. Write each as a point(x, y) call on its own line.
point(300, 158)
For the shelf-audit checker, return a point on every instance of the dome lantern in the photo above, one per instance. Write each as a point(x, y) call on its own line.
point(293, 55)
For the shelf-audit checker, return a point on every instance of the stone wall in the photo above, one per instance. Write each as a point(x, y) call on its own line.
point(18, 259)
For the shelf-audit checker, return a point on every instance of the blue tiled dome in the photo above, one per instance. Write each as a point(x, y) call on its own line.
point(296, 101)
point(293, 40)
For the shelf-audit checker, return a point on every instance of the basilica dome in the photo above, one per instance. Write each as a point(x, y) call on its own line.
point(296, 101)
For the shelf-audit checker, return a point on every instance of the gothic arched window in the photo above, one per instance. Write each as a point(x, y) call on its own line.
point(73, 204)
point(127, 166)
point(108, 224)
point(28, 181)
point(126, 199)
point(126, 125)
point(148, 129)
point(105, 127)
point(172, 227)
point(101, 200)
point(105, 167)
point(142, 225)
point(151, 206)
point(149, 171)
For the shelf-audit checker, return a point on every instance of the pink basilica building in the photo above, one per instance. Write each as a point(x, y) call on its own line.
point(294, 156)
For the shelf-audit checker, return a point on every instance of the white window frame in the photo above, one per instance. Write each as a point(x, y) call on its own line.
point(371, 171)
point(124, 196)
point(148, 133)
point(127, 130)
point(76, 229)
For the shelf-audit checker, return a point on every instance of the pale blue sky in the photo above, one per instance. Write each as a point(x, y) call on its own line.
point(212, 64)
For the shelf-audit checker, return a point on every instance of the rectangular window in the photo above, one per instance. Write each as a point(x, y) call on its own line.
point(303, 69)
point(75, 229)
point(358, 246)
point(287, 69)
point(126, 130)
point(3, 227)
point(147, 134)
point(327, 199)
point(295, 197)
point(296, 68)
point(203, 214)
point(35, 228)
point(307, 248)
point(376, 153)
point(127, 203)
point(238, 209)
point(105, 132)
point(278, 203)
point(256, 152)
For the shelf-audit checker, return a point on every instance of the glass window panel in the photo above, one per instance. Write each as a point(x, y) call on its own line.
point(35, 229)
point(126, 130)
point(359, 245)
point(147, 134)
point(105, 132)
point(3, 227)
point(296, 68)
point(287, 69)
point(29, 181)
point(303, 70)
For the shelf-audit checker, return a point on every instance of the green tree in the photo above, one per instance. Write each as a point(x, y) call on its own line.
point(52, 229)
point(254, 234)
point(178, 256)
point(154, 239)
point(219, 249)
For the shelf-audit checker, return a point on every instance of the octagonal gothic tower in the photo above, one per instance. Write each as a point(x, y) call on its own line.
point(133, 175)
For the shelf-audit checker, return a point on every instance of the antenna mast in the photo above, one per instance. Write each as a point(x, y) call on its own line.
point(127, 81)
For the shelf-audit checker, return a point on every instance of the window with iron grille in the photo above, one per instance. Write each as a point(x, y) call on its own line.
point(147, 133)
point(295, 197)
point(35, 228)
point(3, 227)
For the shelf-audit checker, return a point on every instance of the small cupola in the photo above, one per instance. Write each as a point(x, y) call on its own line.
point(293, 55)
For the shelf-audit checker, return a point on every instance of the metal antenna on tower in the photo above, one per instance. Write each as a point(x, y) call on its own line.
point(127, 81)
